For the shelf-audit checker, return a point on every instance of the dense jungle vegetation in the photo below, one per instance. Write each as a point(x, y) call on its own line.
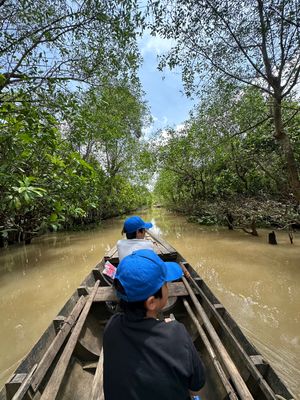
point(237, 159)
point(218, 176)
point(72, 113)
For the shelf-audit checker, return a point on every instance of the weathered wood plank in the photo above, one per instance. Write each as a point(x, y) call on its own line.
point(90, 366)
point(168, 248)
point(50, 354)
point(58, 322)
point(14, 383)
point(54, 383)
point(97, 388)
point(218, 367)
point(257, 359)
point(248, 363)
point(237, 380)
point(218, 306)
point(111, 253)
point(159, 248)
point(25, 385)
point(108, 293)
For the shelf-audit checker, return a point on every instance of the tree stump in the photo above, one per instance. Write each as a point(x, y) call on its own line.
point(229, 219)
point(272, 238)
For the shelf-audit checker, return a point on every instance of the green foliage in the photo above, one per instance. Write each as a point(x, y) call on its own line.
point(106, 124)
point(69, 155)
point(36, 166)
point(44, 44)
point(222, 155)
point(252, 43)
point(247, 44)
point(46, 184)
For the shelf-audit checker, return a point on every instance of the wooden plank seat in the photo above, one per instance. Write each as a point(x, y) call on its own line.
point(108, 293)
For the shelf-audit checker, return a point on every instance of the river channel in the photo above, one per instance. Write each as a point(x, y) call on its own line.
point(259, 284)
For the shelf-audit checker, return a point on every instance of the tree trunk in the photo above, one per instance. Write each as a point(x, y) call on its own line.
point(229, 219)
point(272, 238)
point(287, 150)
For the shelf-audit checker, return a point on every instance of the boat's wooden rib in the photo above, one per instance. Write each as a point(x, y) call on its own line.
point(67, 362)
point(169, 250)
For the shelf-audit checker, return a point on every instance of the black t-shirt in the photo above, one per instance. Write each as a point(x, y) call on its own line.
point(147, 359)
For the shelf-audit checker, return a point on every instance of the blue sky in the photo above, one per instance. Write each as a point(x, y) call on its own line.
point(164, 91)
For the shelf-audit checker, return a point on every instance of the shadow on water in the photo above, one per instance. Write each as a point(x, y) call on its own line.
point(257, 283)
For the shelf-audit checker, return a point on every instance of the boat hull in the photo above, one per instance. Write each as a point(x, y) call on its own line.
point(82, 371)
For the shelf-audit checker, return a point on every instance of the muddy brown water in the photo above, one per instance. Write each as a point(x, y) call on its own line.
point(258, 284)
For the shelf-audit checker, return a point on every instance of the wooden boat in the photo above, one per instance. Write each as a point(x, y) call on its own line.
point(66, 363)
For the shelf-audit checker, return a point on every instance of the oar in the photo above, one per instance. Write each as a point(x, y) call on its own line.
point(54, 383)
point(238, 381)
point(211, 352)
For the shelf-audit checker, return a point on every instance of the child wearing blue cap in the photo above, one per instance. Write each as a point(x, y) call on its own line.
point(135, 229)
point(145, 358)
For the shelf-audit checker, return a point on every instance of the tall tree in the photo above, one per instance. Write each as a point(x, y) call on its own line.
point(253, 43)
point(106, 125)
point(43, 42)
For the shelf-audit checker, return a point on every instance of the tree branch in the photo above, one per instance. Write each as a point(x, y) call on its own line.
point(296, 24)
point(270, 77)
point(231, 75)
point(240, 46)
point(285, 123)
point(251, 127)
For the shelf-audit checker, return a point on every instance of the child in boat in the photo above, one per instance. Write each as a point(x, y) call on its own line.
point(135, 229)
point(145, 358)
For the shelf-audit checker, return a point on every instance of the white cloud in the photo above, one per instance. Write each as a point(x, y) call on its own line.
point(156, 125)
point(165, 134)
point(180, 127)
point(155, 44)
point(148, 131)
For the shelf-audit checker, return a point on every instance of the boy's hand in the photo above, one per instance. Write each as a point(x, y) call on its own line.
point(185, 271)
point(170, 318)
point(186, 274)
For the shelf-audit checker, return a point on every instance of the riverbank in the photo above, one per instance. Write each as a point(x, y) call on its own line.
point(247, 214)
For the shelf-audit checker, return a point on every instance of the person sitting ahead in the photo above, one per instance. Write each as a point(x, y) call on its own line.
point(135, 229)
point(145, 358)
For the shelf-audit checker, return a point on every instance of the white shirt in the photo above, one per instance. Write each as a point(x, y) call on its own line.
point(128, 246)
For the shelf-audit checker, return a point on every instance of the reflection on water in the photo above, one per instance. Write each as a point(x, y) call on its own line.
point(257, 283)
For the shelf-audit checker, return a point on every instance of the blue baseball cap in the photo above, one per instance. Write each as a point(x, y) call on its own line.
point(132, 224)
point(142, 273)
